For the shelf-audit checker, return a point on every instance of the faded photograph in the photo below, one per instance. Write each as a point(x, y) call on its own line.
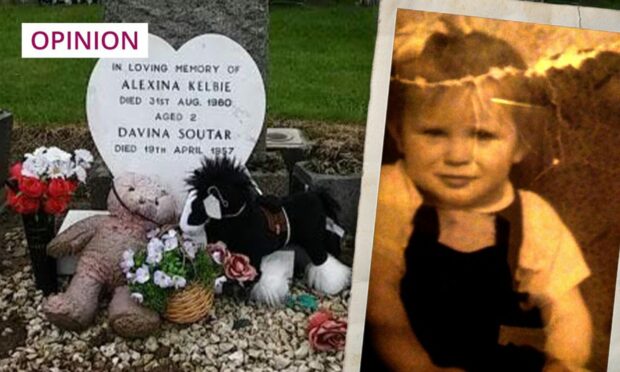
point(496, 236)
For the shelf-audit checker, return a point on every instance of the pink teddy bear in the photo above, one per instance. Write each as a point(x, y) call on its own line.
point(137, 204)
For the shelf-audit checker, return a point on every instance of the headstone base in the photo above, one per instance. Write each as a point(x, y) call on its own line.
point(344, 189)
point(99, 184)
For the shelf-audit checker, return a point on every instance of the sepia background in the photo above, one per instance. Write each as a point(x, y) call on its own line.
point(575, 162)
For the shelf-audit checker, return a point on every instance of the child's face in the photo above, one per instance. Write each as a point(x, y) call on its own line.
point(457, 160)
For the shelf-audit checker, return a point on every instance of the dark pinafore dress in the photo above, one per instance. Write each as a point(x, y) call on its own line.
point(456, 301)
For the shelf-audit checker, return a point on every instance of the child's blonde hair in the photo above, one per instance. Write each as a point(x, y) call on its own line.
point(506, 96)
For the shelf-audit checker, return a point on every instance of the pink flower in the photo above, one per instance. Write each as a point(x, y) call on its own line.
point(237, 267)
point(218, 252)
point(326, 333)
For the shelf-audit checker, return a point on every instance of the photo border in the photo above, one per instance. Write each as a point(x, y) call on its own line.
point(508, 10)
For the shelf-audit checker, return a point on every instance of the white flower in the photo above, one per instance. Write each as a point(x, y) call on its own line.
point(171, 244)
point(178, 281)
point(170, 240)
point(127, 262)
point(154, 253)
point(162, 279)
point(153, 233)
point(170, 234)
point(156, 243)
point(54, 154)
point(83, 158)
point(137, 297)
point(142, 275)
point(60, 169)
point(34, 165)
point(190, 248)
point(129, 276)
point(80, 173)
point(38, 152)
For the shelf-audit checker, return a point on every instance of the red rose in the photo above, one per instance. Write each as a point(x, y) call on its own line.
point(16, 171)
point(59, 187)
point(326, 333)
point(32, 187)
point(56, 205)
point(22, 203)
point(218, 252)
point(238, 267)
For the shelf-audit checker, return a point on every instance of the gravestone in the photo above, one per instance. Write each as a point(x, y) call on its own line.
point(6, 126)
point(162, 115)
point(177, 21)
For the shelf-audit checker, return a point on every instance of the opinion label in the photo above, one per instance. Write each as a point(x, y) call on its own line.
point(85, 40)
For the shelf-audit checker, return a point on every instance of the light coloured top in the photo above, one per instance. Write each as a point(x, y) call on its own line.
point(550, 264)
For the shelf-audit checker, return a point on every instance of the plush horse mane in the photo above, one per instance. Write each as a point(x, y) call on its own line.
point(219, 171)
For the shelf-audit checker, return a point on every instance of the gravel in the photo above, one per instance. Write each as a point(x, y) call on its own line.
point(237, 336)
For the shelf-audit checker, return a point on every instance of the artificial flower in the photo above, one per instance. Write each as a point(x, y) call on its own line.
point(190, 248)
point(154, 251)
point(55, 155)
point(80, 173)
point(237, 266)
point(32, 187)
point(45, 180)
point(83, 158)
point(58, 187)
point(21, 203)
point(16, 171)
point(178, 282)
point(127, 262)
point(162, 279)
point(56, 205)
point(35, 164)
point(170, 241)
point(142, 274)
point(34, 167)
point(219, 252)
point(154, 255)
point(60, 169)
point(137, 297)
point(325, 332)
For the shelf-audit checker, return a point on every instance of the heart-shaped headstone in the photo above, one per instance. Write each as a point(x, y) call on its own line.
point(161, 115)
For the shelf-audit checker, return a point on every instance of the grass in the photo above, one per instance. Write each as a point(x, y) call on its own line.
point(320, 58)
point(320, 62)
point(42, 91)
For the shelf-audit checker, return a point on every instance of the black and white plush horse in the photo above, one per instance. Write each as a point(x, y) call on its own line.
point(225, 203)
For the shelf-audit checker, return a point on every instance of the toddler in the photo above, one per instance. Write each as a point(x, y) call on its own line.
point(458, 252)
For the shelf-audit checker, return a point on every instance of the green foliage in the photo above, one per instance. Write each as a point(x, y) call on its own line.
point(155, 298)
point(43, 91)
point(174, 263)
point(206, 270)
point(320, 58)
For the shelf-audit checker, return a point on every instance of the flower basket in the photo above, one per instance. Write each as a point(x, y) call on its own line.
point(172, 275)
point(190, 304)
